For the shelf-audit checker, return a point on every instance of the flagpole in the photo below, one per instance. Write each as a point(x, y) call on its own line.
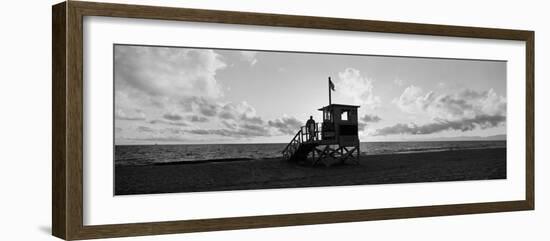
point(329, 94)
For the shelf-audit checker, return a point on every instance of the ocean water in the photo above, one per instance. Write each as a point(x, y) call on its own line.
point(150, 154)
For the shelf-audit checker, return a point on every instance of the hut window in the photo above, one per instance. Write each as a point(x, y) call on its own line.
point(345, 115)
point(327, 115)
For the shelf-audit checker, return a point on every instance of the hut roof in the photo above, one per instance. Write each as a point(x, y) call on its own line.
point(329, 107)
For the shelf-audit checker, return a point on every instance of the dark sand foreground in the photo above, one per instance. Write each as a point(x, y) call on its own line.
point(479, 164)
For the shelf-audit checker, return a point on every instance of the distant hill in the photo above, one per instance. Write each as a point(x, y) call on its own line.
point(467, 138)
point(456, 138)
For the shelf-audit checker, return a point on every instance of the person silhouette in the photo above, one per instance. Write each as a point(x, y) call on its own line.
point(310, 126)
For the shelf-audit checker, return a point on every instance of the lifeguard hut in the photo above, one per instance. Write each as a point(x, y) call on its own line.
point(335, 140)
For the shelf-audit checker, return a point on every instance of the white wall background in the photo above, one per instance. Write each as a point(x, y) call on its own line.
point(25, 120)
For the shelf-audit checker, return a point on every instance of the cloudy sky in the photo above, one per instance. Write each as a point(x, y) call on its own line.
point(186, 95)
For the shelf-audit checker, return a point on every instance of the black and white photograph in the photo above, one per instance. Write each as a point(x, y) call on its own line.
point(203, 119)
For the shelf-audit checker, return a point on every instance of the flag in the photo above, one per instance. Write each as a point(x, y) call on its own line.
point(330, 84)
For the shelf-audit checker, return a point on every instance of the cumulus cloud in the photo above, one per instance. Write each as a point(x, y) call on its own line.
point(172, 116)
point(196, 118)
point(173, 86)
point(413, 99)
point(173, 123)
point(191, 104)
point(205, 106)
point(199, 132)
point(464, 104)
point(230, 125)
point(255, 128)
point(209, 110)
point(467, 124)
point(178, 123)
point(156, 139)
point(251, 126)
point(243, 132)
point(256, 120)
point(286, 125)
point(175, 119)
point(240, 112)
point(234, 111)
point(370, 118)
point(463, 111)
point(353, 88)
point(144, 129)
point(167, 72)
point(121, 114)
point(178, 86)
point(239, 121)
point(365, 119)
point(361, 125)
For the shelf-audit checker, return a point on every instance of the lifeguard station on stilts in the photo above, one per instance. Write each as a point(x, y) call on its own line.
point(335, 140)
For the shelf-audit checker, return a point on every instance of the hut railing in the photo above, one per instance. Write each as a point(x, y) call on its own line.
point(308, 136)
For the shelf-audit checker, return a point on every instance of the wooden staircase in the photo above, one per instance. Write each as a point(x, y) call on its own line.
point(301, 145)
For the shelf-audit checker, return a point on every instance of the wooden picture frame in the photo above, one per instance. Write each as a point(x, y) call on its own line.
point(67, 124)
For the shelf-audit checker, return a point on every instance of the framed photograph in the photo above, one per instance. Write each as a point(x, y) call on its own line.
point(172, 120)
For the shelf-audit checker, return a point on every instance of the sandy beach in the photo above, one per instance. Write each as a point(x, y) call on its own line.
point(242, 174)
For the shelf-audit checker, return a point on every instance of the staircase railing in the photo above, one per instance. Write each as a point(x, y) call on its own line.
point(294, 144)
point(303, 135)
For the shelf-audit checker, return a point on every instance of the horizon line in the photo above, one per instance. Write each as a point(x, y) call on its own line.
point(268, 143)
